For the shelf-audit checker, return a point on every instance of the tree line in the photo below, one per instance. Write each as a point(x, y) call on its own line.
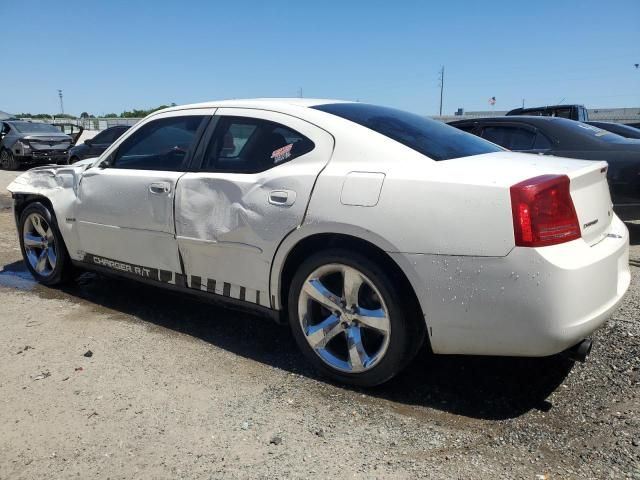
point(134, 113)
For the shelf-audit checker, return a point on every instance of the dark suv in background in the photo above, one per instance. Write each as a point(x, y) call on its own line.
point(572, 112)
point(93, 147)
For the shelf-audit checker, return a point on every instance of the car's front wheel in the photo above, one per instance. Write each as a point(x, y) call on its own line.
point(8, 161)
point(42, 246)
point(351, 320)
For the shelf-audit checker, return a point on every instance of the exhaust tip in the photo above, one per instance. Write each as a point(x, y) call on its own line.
point(580, 351)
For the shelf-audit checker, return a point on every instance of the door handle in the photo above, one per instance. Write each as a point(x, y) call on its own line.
point(282, 198)
point(159, 188)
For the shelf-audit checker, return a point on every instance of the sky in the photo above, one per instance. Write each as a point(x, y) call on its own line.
point(111, 55)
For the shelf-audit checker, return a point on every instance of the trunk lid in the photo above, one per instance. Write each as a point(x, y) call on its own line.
point(592, 200)
point(588, 182)
point(48, 141)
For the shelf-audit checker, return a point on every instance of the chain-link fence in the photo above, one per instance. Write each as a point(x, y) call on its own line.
point(616, 115)
point(97, 123)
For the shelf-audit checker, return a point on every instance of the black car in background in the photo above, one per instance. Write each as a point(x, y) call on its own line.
point(621, 129)
point(568, 138)
point(31, 143)
point(93, 147)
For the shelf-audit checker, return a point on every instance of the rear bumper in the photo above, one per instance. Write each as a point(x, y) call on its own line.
point(44, 157)
point(533, 302)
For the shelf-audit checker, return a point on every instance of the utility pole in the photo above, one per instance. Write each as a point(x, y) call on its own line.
point(61, 104)
point(300, 92)
point(523, 103)
point(441, 87)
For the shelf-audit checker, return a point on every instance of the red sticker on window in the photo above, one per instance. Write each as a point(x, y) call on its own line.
point(282, 153)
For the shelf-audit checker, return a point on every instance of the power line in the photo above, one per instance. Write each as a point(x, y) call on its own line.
point(61, 103)
point(441, 87)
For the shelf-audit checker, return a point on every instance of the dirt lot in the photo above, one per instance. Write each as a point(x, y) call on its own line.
point(176, 388)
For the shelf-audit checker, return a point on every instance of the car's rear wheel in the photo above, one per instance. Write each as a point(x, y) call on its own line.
point(8, 161)
point(42, 246)
point(73, 160)
point(351, 320)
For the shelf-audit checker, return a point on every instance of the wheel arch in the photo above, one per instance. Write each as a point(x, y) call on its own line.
point(298, 246)
point(23, 200)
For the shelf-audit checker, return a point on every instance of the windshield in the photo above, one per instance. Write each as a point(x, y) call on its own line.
point(28, 127)
point(434, 139)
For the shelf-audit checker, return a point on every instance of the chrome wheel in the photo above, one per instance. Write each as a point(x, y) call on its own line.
point(344, 318)
point(39, 244)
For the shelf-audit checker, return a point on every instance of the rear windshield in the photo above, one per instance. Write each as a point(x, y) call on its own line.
point(595, 133)
point(434, 139)
point(28, 127)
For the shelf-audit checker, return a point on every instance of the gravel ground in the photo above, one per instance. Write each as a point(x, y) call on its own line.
point(175, 388)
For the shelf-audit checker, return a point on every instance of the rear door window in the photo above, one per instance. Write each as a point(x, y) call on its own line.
point(513, 138)
point(541, 143)
point(245, 145)
point(106, 136)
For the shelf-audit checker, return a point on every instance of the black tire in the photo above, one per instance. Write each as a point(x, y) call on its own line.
point(62, 271)
point(73, 160)
point(407, 328)
point(8, 161)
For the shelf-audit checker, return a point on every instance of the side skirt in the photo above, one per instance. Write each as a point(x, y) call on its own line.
point(181, 287)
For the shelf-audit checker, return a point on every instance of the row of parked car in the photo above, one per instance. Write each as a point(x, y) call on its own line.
point(30, 143)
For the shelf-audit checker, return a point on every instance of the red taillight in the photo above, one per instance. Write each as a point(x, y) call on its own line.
point(543, 212)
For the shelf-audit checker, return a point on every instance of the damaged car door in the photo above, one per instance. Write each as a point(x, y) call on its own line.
point(125, 215)
point(253, 178)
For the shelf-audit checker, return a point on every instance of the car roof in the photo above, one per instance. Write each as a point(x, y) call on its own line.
point(260, 103)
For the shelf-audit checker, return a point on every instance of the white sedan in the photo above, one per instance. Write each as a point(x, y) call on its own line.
point(372, 231)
